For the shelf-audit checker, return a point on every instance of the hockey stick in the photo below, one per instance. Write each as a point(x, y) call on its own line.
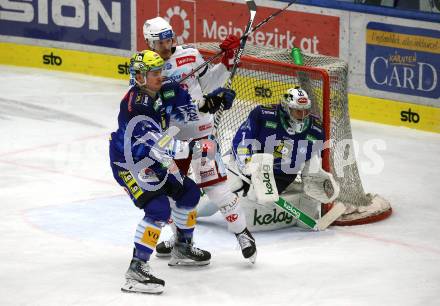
point(260, 24)
point(252, 12)
point(318, 225)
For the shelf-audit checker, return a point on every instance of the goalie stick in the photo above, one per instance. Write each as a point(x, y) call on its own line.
point(260, 24)
point(318, 225)
point(321, 224)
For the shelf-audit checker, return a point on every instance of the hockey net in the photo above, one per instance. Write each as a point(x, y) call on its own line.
point(264, 76)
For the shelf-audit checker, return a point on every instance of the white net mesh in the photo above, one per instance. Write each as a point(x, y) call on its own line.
point(264, 76)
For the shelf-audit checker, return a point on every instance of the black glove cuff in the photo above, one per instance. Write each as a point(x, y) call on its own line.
point(212, 104)
point(174, 191)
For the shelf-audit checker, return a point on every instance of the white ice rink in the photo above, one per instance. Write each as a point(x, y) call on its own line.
point(66, 227)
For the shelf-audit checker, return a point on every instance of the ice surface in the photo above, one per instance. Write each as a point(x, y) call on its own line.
point(66, 227)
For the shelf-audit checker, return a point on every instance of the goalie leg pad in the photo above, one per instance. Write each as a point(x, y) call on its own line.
point(263, 179)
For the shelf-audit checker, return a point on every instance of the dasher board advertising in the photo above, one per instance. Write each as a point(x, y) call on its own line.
point(103, 23)
point(212, 20)
point(403, 60)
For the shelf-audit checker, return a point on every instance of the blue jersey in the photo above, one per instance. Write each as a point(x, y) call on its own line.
point(266, 130)
point(147, 131)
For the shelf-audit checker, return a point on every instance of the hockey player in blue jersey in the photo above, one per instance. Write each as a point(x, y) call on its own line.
point(294, 137)
point(195, 120)
point(141, 154)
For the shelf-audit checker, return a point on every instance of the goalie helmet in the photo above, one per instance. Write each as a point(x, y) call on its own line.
point(157, 29)
point(296, 104)
point(143, 62)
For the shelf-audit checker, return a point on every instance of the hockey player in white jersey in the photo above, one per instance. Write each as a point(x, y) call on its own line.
point(195, 121)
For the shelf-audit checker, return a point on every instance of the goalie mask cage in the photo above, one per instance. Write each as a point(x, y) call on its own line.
point(264, 76)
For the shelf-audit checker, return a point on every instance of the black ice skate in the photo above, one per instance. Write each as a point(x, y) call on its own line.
point(164, 248)
point(139, 279)
point(185, 254)
point(247, 245)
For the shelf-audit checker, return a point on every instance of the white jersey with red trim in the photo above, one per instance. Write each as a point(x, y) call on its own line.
point(191, 122)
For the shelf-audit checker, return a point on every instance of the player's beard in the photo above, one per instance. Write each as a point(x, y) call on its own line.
point(166, 54)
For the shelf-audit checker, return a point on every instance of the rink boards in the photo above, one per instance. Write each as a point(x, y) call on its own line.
point(384, 111)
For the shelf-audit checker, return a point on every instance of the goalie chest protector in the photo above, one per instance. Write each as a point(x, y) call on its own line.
point(268, 126)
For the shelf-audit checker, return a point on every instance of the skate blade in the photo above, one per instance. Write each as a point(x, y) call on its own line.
point(174, 262)
point(142, 288)
point(253, 258)
point(163, 255)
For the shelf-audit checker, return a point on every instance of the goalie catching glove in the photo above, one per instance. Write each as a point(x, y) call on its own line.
point(319, 184)
point(215, 99)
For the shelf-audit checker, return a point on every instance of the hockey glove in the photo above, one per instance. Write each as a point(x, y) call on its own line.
point(215, 99)
point(231, 42)
point(319, 184)
point(174, 187)
point(229, 46)
point(228, 59)
point(169, 84)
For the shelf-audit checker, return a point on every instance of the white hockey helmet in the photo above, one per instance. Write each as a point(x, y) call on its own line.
point(157, 29)
point(297, 105)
